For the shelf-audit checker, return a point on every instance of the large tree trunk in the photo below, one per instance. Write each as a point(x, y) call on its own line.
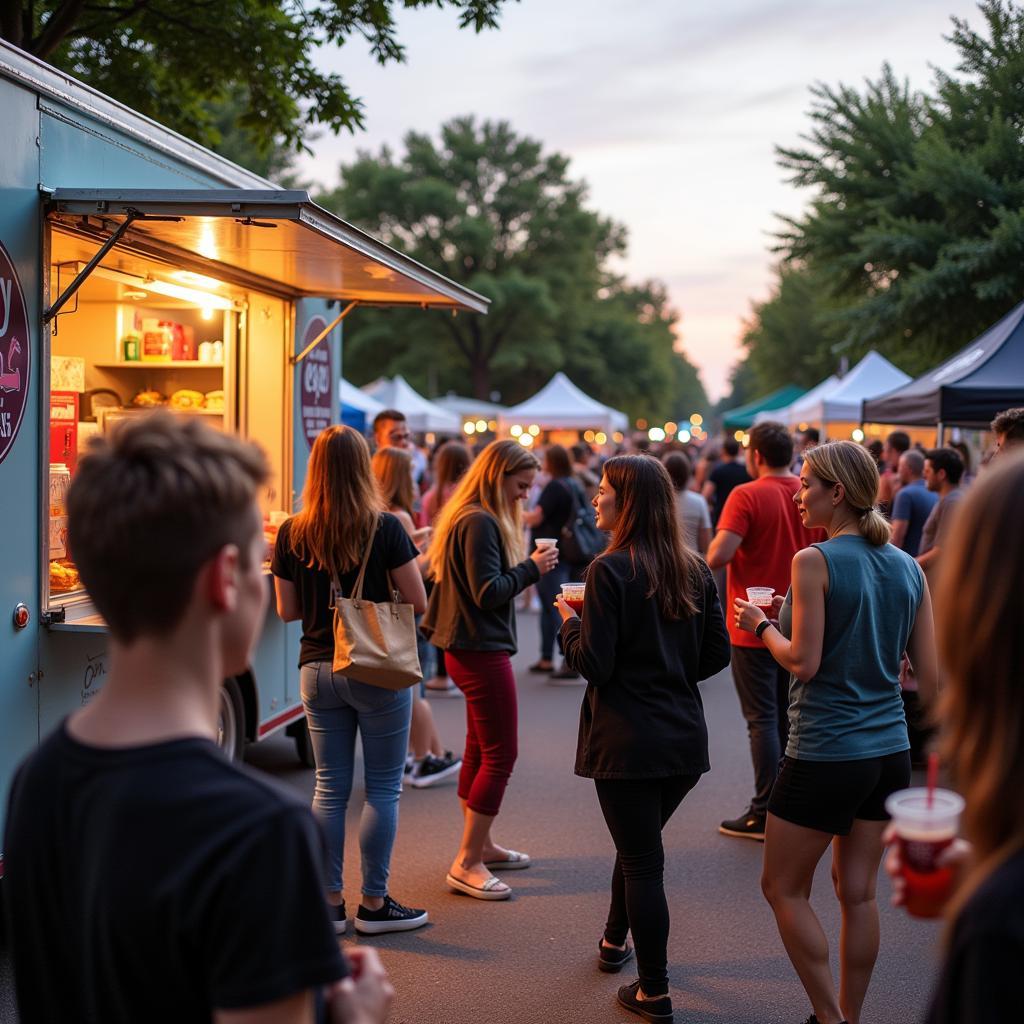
point(480, 375)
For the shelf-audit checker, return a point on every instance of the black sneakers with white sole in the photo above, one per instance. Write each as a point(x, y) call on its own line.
point(392, 917)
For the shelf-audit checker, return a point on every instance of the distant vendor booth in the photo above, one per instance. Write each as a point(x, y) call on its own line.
point(137, 271)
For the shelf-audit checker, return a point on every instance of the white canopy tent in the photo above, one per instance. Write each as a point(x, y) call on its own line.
point(351, 396)
point(797, 413)
point(874, 375)
point(422, 415)
point(560, 405)
point(471, 408)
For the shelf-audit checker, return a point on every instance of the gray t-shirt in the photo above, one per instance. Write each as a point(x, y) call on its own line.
point(693, 511)
point(938, 523)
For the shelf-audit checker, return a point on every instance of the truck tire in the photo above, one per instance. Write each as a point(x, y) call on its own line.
point(231, 721)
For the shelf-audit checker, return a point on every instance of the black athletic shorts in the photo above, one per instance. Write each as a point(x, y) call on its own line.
point(829, 795)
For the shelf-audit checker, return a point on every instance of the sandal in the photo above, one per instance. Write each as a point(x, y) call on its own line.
point(513, 861)
point(492, 889)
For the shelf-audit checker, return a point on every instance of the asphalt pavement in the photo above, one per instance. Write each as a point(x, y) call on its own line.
point(532, 959)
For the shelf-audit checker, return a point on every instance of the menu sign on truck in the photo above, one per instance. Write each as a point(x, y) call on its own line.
point(316, 377)
point(14, 354)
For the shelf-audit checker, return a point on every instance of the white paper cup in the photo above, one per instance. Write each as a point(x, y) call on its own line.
point(761, 596)
point(546, 542)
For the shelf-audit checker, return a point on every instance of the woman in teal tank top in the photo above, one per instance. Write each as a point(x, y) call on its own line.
point(856, 604)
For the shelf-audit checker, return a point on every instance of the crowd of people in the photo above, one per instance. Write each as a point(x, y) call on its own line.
point(208, 892)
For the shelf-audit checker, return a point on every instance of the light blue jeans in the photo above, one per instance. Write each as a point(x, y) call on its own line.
point(336, 707)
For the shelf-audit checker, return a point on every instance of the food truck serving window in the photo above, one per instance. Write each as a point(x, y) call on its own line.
point(191, 310)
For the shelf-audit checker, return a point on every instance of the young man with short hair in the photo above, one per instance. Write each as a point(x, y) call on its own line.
point(1009, 430)
point(913, 504)
point(148, 879)
point(759, 532)
point(943, 468)
point(895, 445)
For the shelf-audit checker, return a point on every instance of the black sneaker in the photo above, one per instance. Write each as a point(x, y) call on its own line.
point(338, 916)
point(410, 766)
point(610, 960)
point(746, 826)
point(433, 769)
point(653, 1008)
point(392, 917)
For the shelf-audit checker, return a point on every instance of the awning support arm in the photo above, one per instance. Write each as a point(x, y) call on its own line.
point(295, 360)
point(84, 273)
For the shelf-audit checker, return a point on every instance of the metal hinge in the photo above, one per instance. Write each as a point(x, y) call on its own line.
point(52, 616)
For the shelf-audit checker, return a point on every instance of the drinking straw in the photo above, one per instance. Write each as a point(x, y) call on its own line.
point(933, 776)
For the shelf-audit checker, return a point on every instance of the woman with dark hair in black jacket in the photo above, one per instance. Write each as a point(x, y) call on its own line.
point(651, 629)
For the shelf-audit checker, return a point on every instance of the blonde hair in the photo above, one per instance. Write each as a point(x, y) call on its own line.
point(393, 469)
point(341, 504)
point(981, 709)
point(846, 463)
point(482, 488)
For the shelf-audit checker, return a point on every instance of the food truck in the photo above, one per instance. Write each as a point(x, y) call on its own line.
point(139, 270)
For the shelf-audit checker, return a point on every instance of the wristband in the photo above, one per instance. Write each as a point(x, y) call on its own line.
point(761, 627)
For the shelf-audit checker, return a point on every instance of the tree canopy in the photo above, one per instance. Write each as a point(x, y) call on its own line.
point(169, 59)
point(490, 209)
point(913, 238)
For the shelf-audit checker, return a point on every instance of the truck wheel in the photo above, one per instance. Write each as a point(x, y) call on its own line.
point(303, 745)
point(231, 721)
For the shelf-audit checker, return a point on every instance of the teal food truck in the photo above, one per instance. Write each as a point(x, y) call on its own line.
point(137, 270)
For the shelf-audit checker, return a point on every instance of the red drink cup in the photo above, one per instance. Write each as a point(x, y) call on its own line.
point(572, 595)
point(924, 829)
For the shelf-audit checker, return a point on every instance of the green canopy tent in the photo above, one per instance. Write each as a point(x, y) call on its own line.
point(742, 417)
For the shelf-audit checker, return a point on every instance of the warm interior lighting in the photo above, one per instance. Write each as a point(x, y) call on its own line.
point(858, 435)
point(516, 430)
point(469, 427)
point(601, 437)
point(197, 280)
point(526, 440)
point(204, 300)
point(534, 429)
point(589, 436)
point(481, 426)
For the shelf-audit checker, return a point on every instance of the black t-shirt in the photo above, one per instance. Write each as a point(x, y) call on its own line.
point(159, 883)
point(392, 549)
point(556, 502)
point(725, 476)
point(980, 980)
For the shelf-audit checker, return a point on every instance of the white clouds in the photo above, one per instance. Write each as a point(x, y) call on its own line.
point(670, 109)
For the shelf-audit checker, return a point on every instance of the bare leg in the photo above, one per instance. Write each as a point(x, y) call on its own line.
point(469, 862)
point(855, 860)
point(791, 853)
point(491, 850)
point(423, 737)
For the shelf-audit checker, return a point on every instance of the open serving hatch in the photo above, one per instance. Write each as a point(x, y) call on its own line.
point(278, 241)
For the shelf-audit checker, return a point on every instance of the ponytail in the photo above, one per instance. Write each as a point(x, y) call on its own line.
point(874, 527)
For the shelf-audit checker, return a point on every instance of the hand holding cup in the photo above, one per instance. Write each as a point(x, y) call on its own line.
point(545, 558)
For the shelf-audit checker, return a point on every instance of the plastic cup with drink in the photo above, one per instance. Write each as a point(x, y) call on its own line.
point(572, 595)
point(760, 596)
point(546, 542)
point(925, 821)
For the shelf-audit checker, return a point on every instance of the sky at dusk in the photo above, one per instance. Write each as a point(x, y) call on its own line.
point(669, 109)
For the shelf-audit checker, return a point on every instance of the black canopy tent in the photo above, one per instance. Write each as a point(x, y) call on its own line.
point(967, 390)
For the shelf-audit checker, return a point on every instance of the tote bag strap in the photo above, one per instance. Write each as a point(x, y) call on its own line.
point(357, 591)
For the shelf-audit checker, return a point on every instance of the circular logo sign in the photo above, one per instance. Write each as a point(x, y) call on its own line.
point(316, 393)
point(14, 354)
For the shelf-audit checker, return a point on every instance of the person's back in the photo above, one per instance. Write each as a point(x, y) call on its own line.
point(136, 885)
point(694, 515)
point(851, 708)
point(724, 478)
point(913, 504)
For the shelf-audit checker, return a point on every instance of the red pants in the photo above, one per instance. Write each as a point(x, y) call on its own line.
point(486, 680)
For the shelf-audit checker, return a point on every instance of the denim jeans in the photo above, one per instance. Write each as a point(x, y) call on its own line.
point(763, 688)
point(336, 707)
point(549, 586)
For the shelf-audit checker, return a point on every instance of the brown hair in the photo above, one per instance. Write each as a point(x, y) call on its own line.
point(393, 469)
point(481, 489)
point(773, 443)
point(556, 462)
point(847, 463)
point(341, 504)
point(453, 458)
point(648, 526)
point(981, 709)
point(149, 506)
point(679, 469)
point(1010, 424)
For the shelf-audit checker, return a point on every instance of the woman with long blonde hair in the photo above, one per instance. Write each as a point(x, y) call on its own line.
point(855, 605)
point(476, 560)
point(342, 523)
point(981, 719)
point(651, 630)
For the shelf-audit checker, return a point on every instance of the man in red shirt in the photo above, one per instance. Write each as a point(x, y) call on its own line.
point(759, 532)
